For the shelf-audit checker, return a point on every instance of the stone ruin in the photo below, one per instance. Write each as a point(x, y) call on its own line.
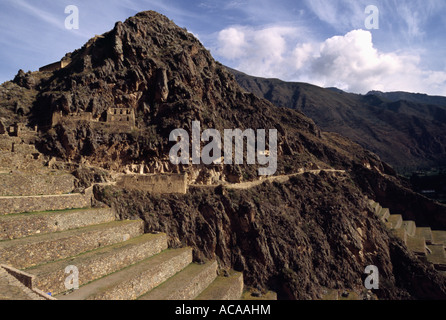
point(155, 183)
point(18, 130)
point(55, 66)
point(58, 117)
point(124, 116)
point(2, 127)
point(14, 130)
point(121, 115)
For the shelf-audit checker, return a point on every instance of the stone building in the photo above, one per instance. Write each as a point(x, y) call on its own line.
point(121, 115)
point(55, 66)
point(80, 116)
point(16, 129)
point(2, 127)
point(125, 116)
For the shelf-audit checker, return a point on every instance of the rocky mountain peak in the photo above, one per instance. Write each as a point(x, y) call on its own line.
point(112, 105)
point(165, 76)
point(145, 61)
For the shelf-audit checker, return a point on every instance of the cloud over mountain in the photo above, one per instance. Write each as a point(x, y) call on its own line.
point(350, 62)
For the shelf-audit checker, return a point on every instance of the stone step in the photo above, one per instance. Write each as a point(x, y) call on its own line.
point(426, 233)
point(410, 228)
point(384, 214)
point(375, 206)
point(98, 263)
point(132, 282)
point(186, 285)
point(224, 288)
point(439, 237)
point(37, 250)
point(437, 257)
point(31, 184)
point(395, 221)
point(13, 289)
point(24, 204)
point(401, 234)
point(22, 225)
point(417, 245)
point(15, 161)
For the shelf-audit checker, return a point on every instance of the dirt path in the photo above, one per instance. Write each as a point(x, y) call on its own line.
point(281, 179)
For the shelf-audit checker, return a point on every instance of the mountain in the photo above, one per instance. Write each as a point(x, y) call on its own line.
point(408, 131)
point(410, 97)
point(307, 230)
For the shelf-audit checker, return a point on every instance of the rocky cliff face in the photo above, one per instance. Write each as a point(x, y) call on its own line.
point(299, 237)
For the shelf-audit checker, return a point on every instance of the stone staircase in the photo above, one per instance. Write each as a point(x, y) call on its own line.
point(429, 245)
point(45, 227)
point(42, 235)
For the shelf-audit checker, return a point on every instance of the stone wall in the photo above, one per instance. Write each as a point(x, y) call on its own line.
point(51, 67)
point(24, 225)
point(11, 205)
point(7, 141)
point(24, 278)
point(52, 279)
point(17, 184)
point(58, 117)
point(24, 149)
point(55, 66)
point(10, 161)
point(30, 252)
point(125, 116)
point(157, 183)
point(18, 285)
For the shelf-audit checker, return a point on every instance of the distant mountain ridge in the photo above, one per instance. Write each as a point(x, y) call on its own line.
point(411, 97)
point(406, 130)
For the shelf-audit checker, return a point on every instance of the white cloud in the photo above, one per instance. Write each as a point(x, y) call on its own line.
point(350, 62)
point(233, 43)
point(302, 54)
point(264, 51)
point(413, 22)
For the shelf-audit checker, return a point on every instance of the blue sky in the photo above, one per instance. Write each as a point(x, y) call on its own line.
point(321, 42)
